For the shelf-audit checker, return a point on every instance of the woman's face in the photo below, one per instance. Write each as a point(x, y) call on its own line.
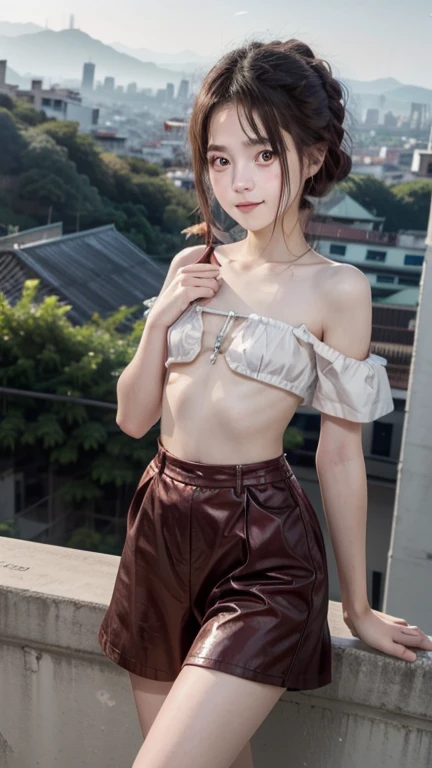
point(242, 172)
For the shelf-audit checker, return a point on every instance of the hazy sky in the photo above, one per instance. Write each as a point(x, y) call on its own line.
point(365, 39)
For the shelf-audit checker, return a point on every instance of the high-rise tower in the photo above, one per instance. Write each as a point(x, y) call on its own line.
point(88, 75)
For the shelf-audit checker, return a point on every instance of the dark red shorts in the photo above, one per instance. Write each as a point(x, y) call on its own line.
point(223, 567)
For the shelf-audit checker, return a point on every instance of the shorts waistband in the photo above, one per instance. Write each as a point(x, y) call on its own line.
point(221, 475)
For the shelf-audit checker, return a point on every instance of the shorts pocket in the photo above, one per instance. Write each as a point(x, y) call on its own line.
point(147, 477)
point(276, 497)
point(311, 517)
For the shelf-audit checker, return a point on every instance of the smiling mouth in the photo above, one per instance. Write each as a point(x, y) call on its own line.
point(248, 205)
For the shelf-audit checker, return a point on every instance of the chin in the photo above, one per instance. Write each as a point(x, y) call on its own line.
point(251, 222)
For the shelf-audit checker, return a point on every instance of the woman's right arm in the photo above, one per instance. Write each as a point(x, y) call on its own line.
point(140, 386)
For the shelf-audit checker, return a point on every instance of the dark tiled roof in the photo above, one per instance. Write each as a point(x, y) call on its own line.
point(97, 270)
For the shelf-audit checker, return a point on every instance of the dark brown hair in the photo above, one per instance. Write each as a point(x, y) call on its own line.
point(288, 88)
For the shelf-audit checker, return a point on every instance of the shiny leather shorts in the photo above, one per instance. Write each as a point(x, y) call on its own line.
point(223, 567)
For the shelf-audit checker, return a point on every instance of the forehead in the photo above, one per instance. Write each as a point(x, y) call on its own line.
point(230, 117)
point(229, 125)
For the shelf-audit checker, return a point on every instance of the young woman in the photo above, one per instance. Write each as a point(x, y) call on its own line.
point(221, 597)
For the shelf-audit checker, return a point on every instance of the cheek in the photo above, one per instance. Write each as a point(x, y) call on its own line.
point(273, 179)
point(220, 183)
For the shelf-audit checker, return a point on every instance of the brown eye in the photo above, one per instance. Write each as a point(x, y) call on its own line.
point(212, 160)
point(268, 152)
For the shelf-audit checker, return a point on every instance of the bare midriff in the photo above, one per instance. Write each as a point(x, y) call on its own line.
point(215, 415)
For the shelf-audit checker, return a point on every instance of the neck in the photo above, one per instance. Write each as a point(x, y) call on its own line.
point(286, 244)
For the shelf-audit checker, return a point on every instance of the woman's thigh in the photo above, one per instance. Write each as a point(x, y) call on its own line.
point(207, 719)
point(149, 696)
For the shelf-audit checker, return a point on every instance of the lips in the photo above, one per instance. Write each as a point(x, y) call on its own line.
point(247, 206)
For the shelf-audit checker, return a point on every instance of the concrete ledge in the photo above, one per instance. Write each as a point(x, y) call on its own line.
point(52, 601)
point(56, 597)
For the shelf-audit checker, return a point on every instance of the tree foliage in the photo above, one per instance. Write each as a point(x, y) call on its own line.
point(63, 174)
point(11, 143)
point(55, 171)
point(416, 198)
point(41, 351)
point(50, 178)
point(405, 206)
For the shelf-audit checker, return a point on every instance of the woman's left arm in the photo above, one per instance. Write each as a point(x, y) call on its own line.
point(342, 473)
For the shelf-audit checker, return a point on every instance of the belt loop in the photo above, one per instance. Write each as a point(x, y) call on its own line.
point(239, 479)
point(288, 471)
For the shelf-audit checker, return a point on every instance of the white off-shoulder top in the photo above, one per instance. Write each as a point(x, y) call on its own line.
point(291, 358)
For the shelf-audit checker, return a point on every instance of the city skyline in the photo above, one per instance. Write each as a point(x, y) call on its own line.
point(392, 40)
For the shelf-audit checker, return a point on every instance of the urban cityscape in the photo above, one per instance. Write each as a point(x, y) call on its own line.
point(97, 194)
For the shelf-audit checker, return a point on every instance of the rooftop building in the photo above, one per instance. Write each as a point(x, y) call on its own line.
point(88, 76)
point(97, 270)
point(58, 103)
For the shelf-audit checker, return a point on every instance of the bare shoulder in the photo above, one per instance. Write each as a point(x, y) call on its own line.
point(347, 310)
point(343, 284)
point(188, 256)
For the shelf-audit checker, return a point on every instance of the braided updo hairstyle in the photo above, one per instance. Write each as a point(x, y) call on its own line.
point(289, 89)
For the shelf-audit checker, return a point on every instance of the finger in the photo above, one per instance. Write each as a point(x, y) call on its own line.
point(195, 282)
point(416, 639)
point(201, 268)
point(414, 631)
point(208, 283)
point(401, 652)
point(189, 279)
point(412, 636)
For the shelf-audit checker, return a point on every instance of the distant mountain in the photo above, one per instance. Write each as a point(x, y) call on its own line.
point(13, 78)
point(145, 54)
point(376, 87)
point(394, 91)
point(9, 29)
point(61, 55)
point(412, 93)
point(57, 56)
point(187, 62)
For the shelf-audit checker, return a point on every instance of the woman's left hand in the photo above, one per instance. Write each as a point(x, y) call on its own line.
point(387, 633)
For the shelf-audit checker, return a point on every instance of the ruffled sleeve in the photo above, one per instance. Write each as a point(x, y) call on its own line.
point(149, 303)
point(357, 390)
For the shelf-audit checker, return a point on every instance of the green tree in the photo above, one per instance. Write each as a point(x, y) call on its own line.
point(27, 115)
point(6, 102)
point(82, 151)
point(43, 187)
point(141, 167)
point(50, 178)
point(42, 351)
point(12, 143)
point(379, 199)
point(415, 197)
point(173, 218)
point(64, 172)
point(90, 540)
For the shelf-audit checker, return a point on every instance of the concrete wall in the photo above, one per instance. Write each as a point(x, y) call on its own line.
point(33, 235)
point(64, 704)
point(409, 572)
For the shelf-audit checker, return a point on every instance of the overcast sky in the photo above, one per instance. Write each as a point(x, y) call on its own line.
point(365, 40)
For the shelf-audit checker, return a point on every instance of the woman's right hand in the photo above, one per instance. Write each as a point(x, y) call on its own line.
point(191, 282)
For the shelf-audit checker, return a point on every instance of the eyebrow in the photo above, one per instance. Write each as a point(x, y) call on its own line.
point(252, 142)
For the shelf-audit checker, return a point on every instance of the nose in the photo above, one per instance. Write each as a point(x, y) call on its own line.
point(242, 181)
